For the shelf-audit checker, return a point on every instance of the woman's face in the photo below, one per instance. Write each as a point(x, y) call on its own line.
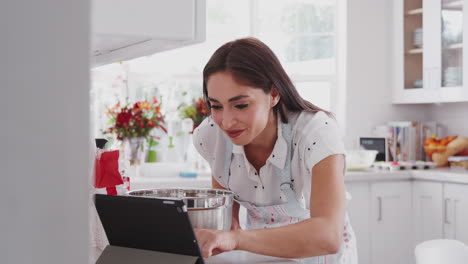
point(241, 111)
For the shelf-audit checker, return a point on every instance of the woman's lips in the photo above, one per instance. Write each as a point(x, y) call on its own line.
point(234, 133)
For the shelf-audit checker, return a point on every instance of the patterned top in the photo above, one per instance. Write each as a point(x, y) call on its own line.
point(315, 136)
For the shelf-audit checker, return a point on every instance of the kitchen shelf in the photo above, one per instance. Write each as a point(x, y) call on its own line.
point(417, 11)
point(454, 46)
point(440, 51)
point(456, 5)
point(415, 51)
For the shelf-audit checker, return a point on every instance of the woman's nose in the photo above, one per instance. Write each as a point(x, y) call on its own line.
point(229, 119)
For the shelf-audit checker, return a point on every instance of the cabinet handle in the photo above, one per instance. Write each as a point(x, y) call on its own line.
point(446, 204)
point(455, 201)
point(379, 199)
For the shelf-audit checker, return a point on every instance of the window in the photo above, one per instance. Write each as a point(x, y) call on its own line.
point(302, 33)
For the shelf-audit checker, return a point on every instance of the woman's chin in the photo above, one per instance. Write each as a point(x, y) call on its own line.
point(239, 141)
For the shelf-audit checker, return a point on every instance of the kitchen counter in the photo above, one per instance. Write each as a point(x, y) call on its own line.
point(244, 257)
point(204, 180)
point(439, 175)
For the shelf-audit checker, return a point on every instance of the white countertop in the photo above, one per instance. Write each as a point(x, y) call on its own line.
point(244, 257)
point(371, 175)
point(440, 175)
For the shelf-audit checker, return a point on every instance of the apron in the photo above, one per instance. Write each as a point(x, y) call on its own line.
point(291, 211)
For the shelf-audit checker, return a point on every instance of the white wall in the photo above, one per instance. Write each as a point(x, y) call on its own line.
point(454, 116)
point(44, 131)
point(369, 71)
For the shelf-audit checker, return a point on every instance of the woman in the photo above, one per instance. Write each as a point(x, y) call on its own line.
point(281, 156)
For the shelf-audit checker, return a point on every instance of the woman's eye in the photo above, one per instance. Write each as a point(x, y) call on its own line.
point(242, 106)
point(215, 107)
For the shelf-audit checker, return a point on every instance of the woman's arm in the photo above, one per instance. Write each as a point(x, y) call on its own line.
point(235, 207)
point(319, 235)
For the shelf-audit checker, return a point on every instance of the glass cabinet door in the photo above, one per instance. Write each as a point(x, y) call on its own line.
point(452, 43)
point(413, 44)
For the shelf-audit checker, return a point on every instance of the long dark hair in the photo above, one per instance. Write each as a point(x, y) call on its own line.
point(253, 63)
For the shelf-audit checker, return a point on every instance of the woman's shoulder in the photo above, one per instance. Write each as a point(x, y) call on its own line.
point(207, 137)
point(308, 128)
point(317, 136)
point(311, 121)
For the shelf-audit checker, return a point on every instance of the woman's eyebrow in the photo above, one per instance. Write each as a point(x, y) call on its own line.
point(235, 98)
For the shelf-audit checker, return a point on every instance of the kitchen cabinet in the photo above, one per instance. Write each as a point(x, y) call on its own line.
point(428, 211)
point(390, 223)
point(440, 210)
point(359, 214)
point(456, 212)
point(428, 51)
point(380, 214)
point(124, 29)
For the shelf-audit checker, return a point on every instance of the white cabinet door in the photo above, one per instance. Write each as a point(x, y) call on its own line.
point(440, 61)
point(391, 223)
point(456, 206)
point(359, 212)
point(127, 29)
point(451, 51)
point(411, 74)
point(427, 211)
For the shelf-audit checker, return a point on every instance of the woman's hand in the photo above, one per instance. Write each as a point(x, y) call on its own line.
point(214, 242)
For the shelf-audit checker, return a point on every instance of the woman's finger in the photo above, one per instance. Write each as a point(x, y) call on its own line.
point(209, 247)
point(216, 251)
point(205, 237)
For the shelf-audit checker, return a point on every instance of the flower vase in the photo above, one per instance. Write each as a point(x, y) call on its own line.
point(134, 148)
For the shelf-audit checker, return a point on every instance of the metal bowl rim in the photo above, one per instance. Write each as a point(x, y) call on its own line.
point(226, 193)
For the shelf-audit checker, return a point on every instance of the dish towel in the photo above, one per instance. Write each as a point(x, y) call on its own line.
point(106, 180)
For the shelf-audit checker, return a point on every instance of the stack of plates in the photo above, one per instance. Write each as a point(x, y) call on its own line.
point(418, 37)
point(453, 76)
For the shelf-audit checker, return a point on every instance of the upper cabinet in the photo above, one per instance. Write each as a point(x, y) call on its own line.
point(127, 29)
point(428, 57)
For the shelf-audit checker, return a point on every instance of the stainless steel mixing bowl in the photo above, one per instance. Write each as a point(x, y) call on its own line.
point(207, 208)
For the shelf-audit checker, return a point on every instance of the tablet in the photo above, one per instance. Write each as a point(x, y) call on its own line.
point(148, 223)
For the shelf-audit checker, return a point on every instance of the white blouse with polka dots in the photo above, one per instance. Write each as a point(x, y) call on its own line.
point(315, 136)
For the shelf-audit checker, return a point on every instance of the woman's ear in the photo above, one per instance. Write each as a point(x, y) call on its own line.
point(275, 96)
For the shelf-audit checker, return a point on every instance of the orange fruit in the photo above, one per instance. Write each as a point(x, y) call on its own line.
point(451, 138)
point(444, 141)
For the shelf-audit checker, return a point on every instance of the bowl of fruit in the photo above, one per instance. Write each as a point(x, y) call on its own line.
point(434, 144)
point(440, 149)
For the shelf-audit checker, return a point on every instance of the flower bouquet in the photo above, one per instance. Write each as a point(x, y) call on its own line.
point(197, 111)
point(132, 123)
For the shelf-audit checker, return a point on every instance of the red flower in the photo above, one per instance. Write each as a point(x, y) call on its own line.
point(123, 118)
point(197, 111)
point(136, 119)
point(202, 107)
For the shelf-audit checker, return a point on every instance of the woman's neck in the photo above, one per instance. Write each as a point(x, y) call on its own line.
point(267, 138)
